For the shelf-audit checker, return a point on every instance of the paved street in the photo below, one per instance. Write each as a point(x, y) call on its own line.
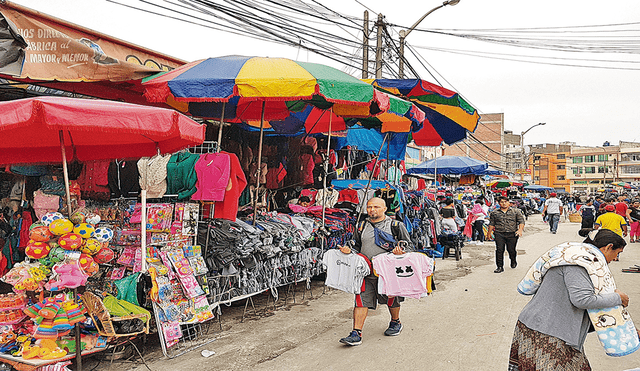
point(466, 325)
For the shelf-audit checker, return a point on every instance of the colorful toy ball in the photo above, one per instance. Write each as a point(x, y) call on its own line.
point(71, 241)
point(77, 217)
point(88, 265)
point(60, 227)
point(40, 234)
point(91, 246)
point(104, 256)
point(57, 255)
point(35, 225)
point(103, 234)
point(85, 230)
point(37, 249)
point(93, 219)
point(50, 217)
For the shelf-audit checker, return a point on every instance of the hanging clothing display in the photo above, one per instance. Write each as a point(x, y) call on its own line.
point(181, 174)
point(345, 272)
point(124, 179)
point(228, 207)
point(212, 171)
point(153, 175)
point(403, 275)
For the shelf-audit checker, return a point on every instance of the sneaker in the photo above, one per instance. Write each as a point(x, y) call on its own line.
point(352, 339)
point(499, 270)
point(514, 264)
point(394, 329)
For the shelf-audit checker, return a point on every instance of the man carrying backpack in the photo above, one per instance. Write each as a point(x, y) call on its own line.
point(588, 213)
point(373, 237)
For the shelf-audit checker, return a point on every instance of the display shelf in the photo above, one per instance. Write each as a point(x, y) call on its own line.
point(13, 322)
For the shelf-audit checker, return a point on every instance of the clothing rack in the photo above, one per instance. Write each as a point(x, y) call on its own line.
point(208, 146)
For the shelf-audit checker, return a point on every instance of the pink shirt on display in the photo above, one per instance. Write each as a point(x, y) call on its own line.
point(213, 171)
point(403, 275)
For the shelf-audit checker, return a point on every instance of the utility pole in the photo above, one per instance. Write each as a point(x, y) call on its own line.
point(379, 25)
point(365, 46)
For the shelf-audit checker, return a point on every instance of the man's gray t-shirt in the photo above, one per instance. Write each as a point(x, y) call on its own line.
point(368, 240)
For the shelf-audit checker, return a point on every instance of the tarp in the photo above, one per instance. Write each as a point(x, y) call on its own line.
point(489, 171)
point(339, 184)
point(450, 165)
point(370, 140)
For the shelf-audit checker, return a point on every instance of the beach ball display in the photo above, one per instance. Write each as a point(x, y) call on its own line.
point(56, 255)
point(104, 256)
point(37, 249)
point(103, 234)
point(92, 219)
point(60, 227)
point(91, 246)
point(40, 234)
point(70, 241)
point(85, 230)
point(50, 217)
point(88, 265)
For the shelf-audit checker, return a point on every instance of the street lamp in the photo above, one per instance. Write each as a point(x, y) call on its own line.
point(522, 146)
point(405, 33)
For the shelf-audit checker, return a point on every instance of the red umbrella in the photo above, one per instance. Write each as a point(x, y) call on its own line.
point(31, 130)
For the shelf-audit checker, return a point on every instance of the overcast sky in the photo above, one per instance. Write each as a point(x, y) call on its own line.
point(579, 104)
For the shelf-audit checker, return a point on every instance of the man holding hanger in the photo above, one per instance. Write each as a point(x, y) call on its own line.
point(365, 243)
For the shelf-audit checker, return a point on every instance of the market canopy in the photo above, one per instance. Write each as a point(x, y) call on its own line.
point(537, 187)
point(93, 129)
point(505, 183)
point(449, 165)
point(448, 116)
point(248, 86)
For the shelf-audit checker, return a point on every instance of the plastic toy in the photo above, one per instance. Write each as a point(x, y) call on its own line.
point(103, 256)
point(68, 275)
point(37, 250)
point(60, 227)
point(70, 241)
point(85, 230)
point(40, 234)
point(88, 265)
point(50, 217)
point(93, 219)
point(103, 234)
point(91, 246)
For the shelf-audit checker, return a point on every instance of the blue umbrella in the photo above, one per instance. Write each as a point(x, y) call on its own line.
point(450, 165)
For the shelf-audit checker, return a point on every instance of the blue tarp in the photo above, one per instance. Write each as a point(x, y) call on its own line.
point(537, 187)
point(450, 165)
point(369, 140)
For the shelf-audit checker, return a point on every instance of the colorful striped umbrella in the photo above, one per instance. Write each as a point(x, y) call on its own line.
point(247, 83)
point(448, 116)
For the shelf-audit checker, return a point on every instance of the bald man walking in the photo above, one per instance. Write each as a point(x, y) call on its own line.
point(364, 238)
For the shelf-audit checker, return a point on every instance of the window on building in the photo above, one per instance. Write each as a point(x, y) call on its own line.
point(590, 169)
point(577, 160)
point(603, 169)
point(630, 157)
point(560, 167)
point(544, 167)
point(578, 170)
point(536, 158)
point(536, 168)
point(561, 156)
point(536, 178)
point(603, 157)
point(630, 169)
point(590, 158)
point(560, 177)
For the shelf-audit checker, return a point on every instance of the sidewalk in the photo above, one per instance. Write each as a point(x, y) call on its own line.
point(466, 325)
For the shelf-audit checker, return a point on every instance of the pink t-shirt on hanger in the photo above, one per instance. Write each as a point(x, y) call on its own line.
point(213, 171)
point(403, 275)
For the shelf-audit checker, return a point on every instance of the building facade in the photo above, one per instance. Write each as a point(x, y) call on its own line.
point(488, 144)
point(547, 164)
